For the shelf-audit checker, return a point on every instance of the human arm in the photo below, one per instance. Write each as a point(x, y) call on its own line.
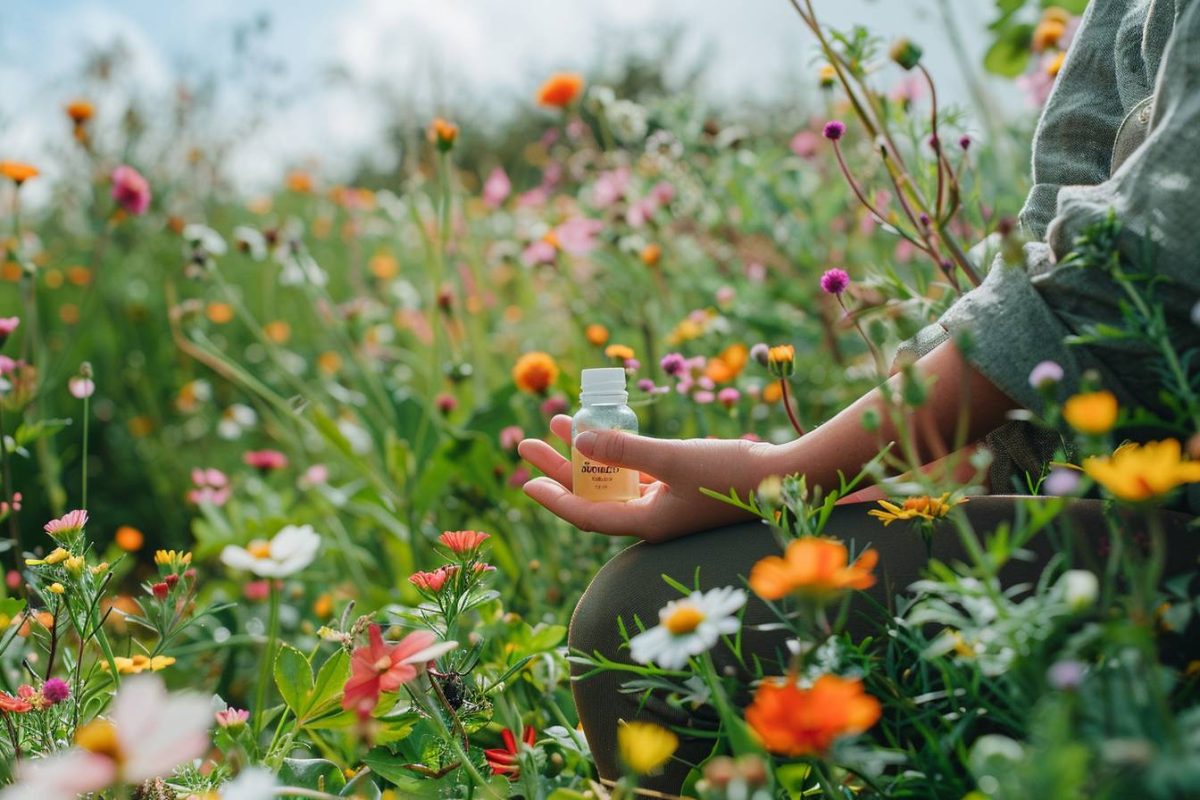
point(672, 505)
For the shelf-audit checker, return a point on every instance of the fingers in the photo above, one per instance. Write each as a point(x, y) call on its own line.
point(616, 519)
point(642, 453)
point(561, 425)
point(547, 459)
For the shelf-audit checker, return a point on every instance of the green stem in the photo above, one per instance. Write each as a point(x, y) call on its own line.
point(14, 531)
point(264, 673)
point(86, 421)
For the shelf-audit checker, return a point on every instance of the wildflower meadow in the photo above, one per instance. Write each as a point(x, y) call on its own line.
point(262, 488)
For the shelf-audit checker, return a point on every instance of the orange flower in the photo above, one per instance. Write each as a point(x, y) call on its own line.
point(384, 266)
point(219, 313)
point(1047, 34)
point(443, 133)
point(79, 276)
point(1093, 413)
point(18, 171)
point(596, 334)
point(812, 567)
point(620, 352)
point(651, 255)
point(793, 722)
point(129, 539)
point(535, 372)
point(772, 393)
point(728, 365)
point(299, 181)
point(278, 331)
point(560, 90)
point(329, 362)
point(80, 111)
point(1055, 66)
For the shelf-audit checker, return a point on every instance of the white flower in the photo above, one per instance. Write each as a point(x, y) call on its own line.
point(291, 550)
point(252, 783)
point(147, 735)
point(1079, 588)
point(236, 419)
point(204, 237)
point(251, 241)
point(628, 121)
point(689, 627)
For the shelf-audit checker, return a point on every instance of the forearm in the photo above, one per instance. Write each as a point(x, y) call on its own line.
point(955, 391)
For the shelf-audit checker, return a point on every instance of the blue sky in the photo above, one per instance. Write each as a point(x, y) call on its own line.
point(426, 52)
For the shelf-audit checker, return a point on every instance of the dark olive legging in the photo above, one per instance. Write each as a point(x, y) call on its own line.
point(631, 584)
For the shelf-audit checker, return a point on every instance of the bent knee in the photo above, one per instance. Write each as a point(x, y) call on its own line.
point(624, 590)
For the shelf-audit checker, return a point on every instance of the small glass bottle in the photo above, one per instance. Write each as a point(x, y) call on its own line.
point(603, 399)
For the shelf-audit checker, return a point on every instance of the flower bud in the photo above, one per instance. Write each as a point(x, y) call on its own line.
point(1080, 588)
point(905, 53)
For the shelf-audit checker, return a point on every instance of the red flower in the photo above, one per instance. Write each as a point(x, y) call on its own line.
point(435, 581)
point(462, 542)
point(503, 760)
point(14, 705)
point(265, 460)
point(378, 667)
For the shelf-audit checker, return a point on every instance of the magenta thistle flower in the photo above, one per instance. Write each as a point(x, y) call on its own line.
point(834, 130)
point(835, 281)
point(673, 364)
point(69, 523)
point(56, 690)
point(964, 142)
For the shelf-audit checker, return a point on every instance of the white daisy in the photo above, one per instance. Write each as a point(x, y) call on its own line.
point(689, 627)
point(291, 550)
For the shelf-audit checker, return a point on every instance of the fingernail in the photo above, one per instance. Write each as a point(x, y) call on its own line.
point(585, 442)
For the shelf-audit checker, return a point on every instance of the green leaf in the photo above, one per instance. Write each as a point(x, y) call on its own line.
point(11, 606)
point(32, 431)
point(390, 766)
point(1009, 54)
point(361, 786)
point(328, 687)
point(311, 773)
point(294, 678)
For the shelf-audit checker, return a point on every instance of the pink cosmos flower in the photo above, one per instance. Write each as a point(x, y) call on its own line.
point(496, 188)
point(377, 667)
point(69, 523)
point(265, 460)
point(130, 190)
point(81, 387)
point(232, 717)
point(463, 542)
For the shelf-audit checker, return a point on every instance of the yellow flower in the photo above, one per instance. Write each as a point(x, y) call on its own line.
point(644, 746)
point(139, 664)
point(17, 171)
point(620, 352)
point(172, 558)
point(926, 508)
point(74, 565)
point(781, 360)
point(827, 76)
point(1093, 413)
point(1139, 472)
point(57, 556)
point(99, 569)
point(56, 588)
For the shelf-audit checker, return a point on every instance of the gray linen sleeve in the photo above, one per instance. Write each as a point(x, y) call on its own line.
point(1020, 316)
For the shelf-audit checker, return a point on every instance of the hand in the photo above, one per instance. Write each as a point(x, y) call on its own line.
point(672, 470)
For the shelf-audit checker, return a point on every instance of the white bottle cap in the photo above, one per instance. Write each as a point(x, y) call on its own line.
point(603, 383)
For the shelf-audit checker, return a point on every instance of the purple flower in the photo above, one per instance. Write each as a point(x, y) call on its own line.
point(496, 188)
point(1061, 482)
point(965, 142)
point(56, 690)
point(130, 190)
point(645, 385)
point(7, 326)
point(1045, 374)
point(834, 129)
point(673, 364)
point(1066, 675)
point(632, 365)
point(835, 281)
point(703, 397)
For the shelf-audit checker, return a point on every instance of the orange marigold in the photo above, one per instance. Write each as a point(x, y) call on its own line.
point(793, 722)
point(18, 171)
point(812, 567)
point(299, 181)
point(535, 372)
point(651, 254)
point(596, 334)
point(621, 352)
point(80, 111)
point(443, 133)
point(129, 538)
point(560, 90)
point(728, 365)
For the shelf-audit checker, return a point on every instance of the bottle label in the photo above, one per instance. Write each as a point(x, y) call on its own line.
point(595, 481)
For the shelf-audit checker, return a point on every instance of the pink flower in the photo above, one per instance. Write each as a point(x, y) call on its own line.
point(8, 365)
point(7, 326)
point(756, 272)
point(537, 196)
point(56, 690)
point(554, 404)
point(463, 542)
point(663, 193)
point(70, 523)
point(130, 190)
point(378, 668)
point(539, 252)
point(834, 130)
point(805, 144)
point(257, 591)
point(703, 397)
point(510, 437)
point(519, 477)
point(232, 717)
point(835, 281)
point(265, 460)
point(211, 487)
point(316, 475)
point(81, 387)
point(431, 581)
point(446, 402)
point(496, 188)
point(726, 295)
point(728, 396)
point(14, 705)
point(673, 364)
point(578, 236)
point(610, 187)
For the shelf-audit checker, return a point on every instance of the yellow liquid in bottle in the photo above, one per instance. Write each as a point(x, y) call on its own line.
point(595, 481)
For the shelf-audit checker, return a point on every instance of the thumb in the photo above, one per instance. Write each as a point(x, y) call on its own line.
point(621, 449)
